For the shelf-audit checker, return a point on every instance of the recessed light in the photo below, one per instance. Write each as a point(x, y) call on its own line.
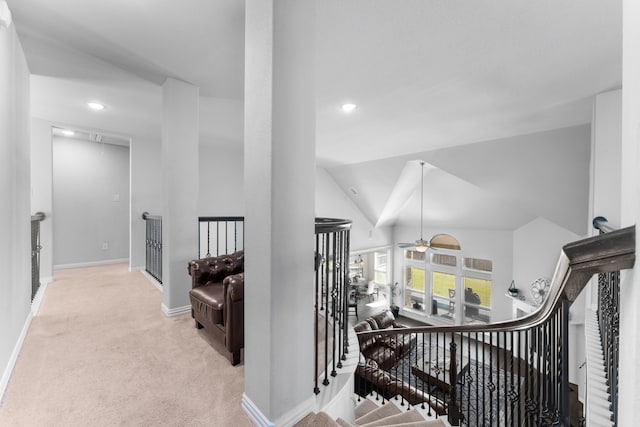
point(347, 108)
point(68, 132)
point(95, 106)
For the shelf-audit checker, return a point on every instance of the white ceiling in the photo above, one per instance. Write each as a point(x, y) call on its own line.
point(427, 75)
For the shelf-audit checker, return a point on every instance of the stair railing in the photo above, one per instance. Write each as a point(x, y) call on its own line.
point(514, 372)
point(608, 313)
point(220, 235)
point(36, 247)
point(331, 298)
point(153, 245)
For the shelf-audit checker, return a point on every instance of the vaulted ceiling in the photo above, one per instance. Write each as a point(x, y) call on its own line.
point(470, 87)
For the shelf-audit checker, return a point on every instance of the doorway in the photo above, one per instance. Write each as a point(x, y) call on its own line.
point(91, 196)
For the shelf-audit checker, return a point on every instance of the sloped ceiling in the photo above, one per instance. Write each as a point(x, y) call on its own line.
point(434, 80)
point(499, 184)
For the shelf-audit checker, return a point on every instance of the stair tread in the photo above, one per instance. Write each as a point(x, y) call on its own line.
point(364, 408)
point(383, 411)
point(321, 419)
point(397, 419)
point(344, 423)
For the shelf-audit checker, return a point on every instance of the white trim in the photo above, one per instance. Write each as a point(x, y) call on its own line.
point(136, 269)
point(90, 264)
point(290, 418)
point(6, 376)
point(46, 280)
point(176, 311)
point(153, 281)
point(254, 413)
point(37, 299)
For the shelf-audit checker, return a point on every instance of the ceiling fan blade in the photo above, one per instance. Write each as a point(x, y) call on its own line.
point(406, 245)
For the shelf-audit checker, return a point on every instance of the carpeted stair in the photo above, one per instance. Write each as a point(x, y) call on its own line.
point(370, 414)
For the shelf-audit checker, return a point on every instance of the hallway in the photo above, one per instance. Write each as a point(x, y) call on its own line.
point(100, 352)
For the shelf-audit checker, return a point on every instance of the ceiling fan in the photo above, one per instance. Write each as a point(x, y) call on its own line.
point(442, 241)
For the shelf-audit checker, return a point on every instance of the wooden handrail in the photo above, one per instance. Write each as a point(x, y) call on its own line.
point(534, 348)
point(577, 263)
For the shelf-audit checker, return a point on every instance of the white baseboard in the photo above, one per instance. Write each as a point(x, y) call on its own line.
point(288, 419)
point(136, 269)
point(46, 280)
point(37, 300)
point(90, 264)
point(254, 413)
point(8, 371)
point(176, 311)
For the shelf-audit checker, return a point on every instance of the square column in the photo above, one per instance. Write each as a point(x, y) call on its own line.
point(279, 209)
point(180, 192)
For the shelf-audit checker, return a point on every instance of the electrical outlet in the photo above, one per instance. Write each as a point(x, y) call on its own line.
point(116, 197)
point(105, 246)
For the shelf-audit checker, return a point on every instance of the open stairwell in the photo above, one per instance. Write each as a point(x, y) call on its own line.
point(370, 413)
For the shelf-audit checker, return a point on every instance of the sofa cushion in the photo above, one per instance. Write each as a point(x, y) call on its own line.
point(401, 344)
point(384, 320)
point(365, 342)
point(208, 300)
point(385, 357)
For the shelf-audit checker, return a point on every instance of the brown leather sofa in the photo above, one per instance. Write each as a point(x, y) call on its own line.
point(371, 379)
point(381, 353)
point(385, 351)
point(217, 298)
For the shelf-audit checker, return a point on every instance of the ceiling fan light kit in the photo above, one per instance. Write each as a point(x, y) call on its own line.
point(439, 241)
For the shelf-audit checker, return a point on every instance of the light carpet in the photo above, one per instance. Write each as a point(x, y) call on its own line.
point(101, 353)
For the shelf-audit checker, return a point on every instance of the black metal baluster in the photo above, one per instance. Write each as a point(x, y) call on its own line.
point(326, 314)
point(208, 238)
point(498, 349)
point(469, 378)
point(491, 385)
point(318, 266)
point(429, 367)
point(484, 374)
point(564, 378)
point(511, 386)
point(477, 382)
point(505, 348)
point(334, 296)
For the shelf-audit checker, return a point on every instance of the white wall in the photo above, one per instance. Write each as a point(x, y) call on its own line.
point(536, 249)
point(146, 193)
point(495, 245)
point(15, 228)
point(331, 202)
point(221, 182)
point(90, 201)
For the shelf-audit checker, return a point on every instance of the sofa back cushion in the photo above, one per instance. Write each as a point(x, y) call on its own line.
point(383, 320)
point(215, 269)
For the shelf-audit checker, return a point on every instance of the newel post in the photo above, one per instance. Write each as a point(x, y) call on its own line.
point(454, 412)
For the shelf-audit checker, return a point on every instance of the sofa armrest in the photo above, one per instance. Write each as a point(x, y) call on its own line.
point(199, 271)
point(234, 312)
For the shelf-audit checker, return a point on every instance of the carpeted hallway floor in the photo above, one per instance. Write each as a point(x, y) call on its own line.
point(101, 353)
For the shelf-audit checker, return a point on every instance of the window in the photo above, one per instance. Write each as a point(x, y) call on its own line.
point(457, 289)
point(414, 255)
point(477, 289)
point(415, 281)
point(380, 267)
